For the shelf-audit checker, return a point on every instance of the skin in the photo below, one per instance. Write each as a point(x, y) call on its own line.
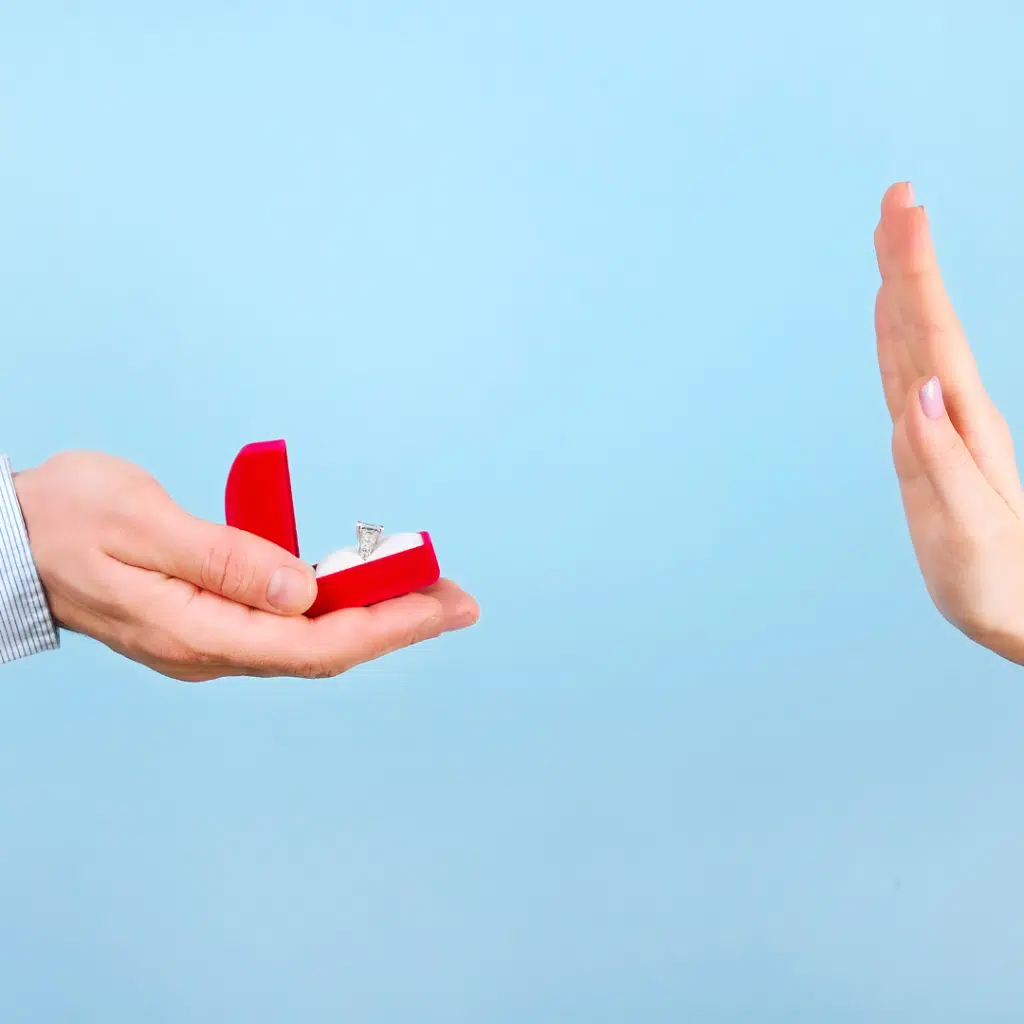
point(952, 449)
point(194, 600)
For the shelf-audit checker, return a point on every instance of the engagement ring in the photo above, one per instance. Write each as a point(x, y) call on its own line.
point(368, 537)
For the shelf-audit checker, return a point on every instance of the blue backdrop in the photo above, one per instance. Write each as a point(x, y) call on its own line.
point(507, 273)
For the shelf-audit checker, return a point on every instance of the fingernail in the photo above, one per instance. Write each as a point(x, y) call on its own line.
point(910, 193)
point(931, 399)
point(289, 590)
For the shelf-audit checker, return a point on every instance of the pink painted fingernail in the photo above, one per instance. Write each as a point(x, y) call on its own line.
point(931, 399)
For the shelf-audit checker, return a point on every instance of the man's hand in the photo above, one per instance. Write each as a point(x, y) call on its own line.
point(952, 449)
point(121, 562)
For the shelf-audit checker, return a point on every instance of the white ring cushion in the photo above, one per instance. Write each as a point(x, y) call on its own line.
point(348, 558)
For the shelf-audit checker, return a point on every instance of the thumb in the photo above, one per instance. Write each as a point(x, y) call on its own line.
point(939, 452)
point(235, 564)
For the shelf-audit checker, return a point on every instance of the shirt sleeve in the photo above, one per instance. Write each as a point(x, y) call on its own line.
point(26, 625)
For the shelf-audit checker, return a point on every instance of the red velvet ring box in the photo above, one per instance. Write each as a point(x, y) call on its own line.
point(258, 498)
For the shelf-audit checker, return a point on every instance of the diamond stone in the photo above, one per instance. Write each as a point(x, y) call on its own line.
point(368, 537)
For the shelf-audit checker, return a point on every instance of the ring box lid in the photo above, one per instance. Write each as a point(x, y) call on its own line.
point(258, 496)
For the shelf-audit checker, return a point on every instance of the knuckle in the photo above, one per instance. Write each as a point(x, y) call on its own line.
point(133, 503)
point(427, 630)
point(315, 666)
point(227, 570)
point(953, 454)
point(136, 492)
point(930, 322)
point(919, 274)
point(310, 662)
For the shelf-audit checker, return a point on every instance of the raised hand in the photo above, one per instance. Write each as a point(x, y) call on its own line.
point(121, 562)
point(952, 449)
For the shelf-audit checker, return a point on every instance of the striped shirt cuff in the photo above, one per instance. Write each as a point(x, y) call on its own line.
point(26, 625)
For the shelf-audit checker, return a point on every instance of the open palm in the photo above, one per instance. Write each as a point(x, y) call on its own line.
point(952, 449)
point(122, 563)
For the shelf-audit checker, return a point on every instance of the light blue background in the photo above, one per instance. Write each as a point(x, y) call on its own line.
point(506, 272)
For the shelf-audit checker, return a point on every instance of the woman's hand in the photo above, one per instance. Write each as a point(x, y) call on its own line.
point(952, 449)
point(121, 562)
